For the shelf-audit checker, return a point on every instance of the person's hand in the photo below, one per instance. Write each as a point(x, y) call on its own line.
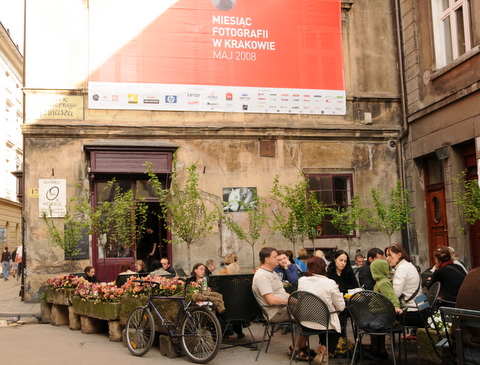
point(399, 311)
point(150, 254)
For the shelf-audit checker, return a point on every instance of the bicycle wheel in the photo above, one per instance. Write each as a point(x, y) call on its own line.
point(140, 331)
point(201, 335)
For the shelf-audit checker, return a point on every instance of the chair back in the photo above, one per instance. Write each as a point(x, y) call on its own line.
point(308, 307)
point(432, 294)
point(372, 311)
point(237, 295)
point(422, 303)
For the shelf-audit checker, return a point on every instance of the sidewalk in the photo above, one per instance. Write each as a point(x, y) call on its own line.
point(11, 305)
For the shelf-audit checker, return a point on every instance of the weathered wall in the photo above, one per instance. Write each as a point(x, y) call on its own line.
point(224, 144)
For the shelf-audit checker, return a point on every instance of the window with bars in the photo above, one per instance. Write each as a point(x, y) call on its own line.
point(452, 24)
point(334, 191)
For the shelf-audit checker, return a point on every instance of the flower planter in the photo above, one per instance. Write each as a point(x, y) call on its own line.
point(59, 296)
point(425, 348)
point(95, 309)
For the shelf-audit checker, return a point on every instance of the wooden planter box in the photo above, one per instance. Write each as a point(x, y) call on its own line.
point(59, 297)
point(425, 348)
point(95, 309)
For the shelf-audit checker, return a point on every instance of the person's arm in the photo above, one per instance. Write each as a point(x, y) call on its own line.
point(272, 299)
point(337, 299)
point(292, 273)
point(154, 249)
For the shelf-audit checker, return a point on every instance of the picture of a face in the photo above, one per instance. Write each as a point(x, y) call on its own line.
point(224, 5)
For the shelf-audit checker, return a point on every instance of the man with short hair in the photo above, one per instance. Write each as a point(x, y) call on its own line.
point(166, 265)
point(285, 268)
point(210, 266)
point(268, 289)
point(364, 275)
point(359, 259)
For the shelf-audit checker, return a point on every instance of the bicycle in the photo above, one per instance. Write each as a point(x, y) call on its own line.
point(197, 328)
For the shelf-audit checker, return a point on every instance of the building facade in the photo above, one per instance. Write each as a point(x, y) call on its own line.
point(11, 147)
point(441, 57)
point(79, 147)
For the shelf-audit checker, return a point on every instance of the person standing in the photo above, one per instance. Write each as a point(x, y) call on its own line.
point(19, 259)
point(5, 263)
point(152, 245)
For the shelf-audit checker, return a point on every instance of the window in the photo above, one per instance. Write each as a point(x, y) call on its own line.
point(451, 29)
point(333, 191)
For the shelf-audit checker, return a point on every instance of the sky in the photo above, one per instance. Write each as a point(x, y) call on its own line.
point(11, 16)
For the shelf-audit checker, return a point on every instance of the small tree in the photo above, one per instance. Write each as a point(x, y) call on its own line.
point(389, 215)
point(257, 219)
point(66, 237)
point(186, 214)
point(347, 219)
point(118, 222)
point(298, 212)
point(467, 200)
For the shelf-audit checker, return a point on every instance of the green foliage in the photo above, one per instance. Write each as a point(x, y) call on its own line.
point(467, 199)
point(298, 212)
point(65, 236)
point(189, 218)
point(257, 219)
point(347, 219)
point(390, 215)
point(122, 219)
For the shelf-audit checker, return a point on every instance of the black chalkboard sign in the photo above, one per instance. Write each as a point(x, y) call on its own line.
point(82, 247)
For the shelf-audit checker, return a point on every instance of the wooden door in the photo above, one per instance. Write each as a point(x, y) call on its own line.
point(436, 218)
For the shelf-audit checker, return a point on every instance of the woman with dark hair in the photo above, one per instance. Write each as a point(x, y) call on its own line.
point(90, 272)
point(449, 275)
point(316, 282)
point(406, 284)
point(341, 272)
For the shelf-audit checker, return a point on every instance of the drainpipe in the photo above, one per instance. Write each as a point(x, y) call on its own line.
point(403, 101)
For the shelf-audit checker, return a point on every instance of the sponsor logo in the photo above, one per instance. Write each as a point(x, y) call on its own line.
point(193, 95)
point(95, 97)
point(212, 103)
point(284, 99)
point(317, 96)
point(171, 99)
point(306, 100)
point(284, 94)
point(114, 97)
point(273, 94)
point(229, 96)
point(261, 94)
point(244, 107)
point(262, 98)
point(195, 102)
point(295, 107)
point(297, 95)
point(296, 99)
point(132, 98)
point(306, 95)
point(212, 96)
point(151, 101)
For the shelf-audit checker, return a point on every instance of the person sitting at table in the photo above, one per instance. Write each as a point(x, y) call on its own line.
point(341, 272)
point(210, 266)
point(365, 278)
point(230, 259)
point(165, 262)
point(140, 268)
point(125, 273)
point(158, 270)
point(90, 271)
point(316, 282)
point(406, 284)
point(301, 259)
point(380, 271)
point(285, 269)
point(449, 275)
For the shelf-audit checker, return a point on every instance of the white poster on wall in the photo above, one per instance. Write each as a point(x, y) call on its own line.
point(52, 197)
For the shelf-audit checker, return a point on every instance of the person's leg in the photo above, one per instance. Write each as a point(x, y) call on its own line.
point(7, 267)
point(333, 338)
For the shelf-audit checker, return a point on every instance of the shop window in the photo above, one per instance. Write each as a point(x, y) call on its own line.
point(451, 29)
point(334, 191)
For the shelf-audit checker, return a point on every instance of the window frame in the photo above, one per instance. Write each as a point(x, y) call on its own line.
point(440, 42)
point(350, 194)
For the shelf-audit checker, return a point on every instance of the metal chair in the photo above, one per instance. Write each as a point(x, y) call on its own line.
point(271, 326)
point(461, 319)
point(373, 314)
point(307, 307)
point(240, 303)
